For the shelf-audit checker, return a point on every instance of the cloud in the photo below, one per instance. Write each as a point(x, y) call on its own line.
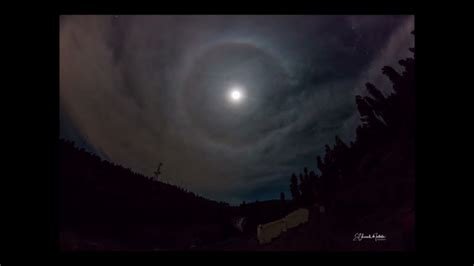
point(395, 49)
point(145, 89)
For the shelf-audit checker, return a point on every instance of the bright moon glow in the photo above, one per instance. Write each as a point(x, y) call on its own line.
point(236, 94)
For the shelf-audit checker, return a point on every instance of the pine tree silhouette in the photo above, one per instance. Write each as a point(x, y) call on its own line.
point(295, 192)
point(157, 172)
point(385, 119)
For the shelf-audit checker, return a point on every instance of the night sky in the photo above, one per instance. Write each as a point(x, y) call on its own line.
point(139, 90)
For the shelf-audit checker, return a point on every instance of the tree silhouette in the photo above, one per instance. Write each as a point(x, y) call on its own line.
point(158, 172)
point(313, 186)
point(295, 192)
point(386, 131)
point(282, 197)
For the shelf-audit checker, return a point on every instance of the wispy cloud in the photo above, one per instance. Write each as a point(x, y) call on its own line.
point(122, 80)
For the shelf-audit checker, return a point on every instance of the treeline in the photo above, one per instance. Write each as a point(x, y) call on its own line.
point(96, 196)
point(377, 169)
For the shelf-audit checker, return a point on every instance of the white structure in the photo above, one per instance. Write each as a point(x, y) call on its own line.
point(296, 218)
point(267, 232)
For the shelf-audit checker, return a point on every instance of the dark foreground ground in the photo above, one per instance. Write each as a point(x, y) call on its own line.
point(319, 234)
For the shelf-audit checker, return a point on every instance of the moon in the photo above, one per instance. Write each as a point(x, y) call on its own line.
point(205, 91)
point(235, 94)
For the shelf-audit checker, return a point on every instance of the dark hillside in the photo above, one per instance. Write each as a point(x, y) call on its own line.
point(104, 200)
